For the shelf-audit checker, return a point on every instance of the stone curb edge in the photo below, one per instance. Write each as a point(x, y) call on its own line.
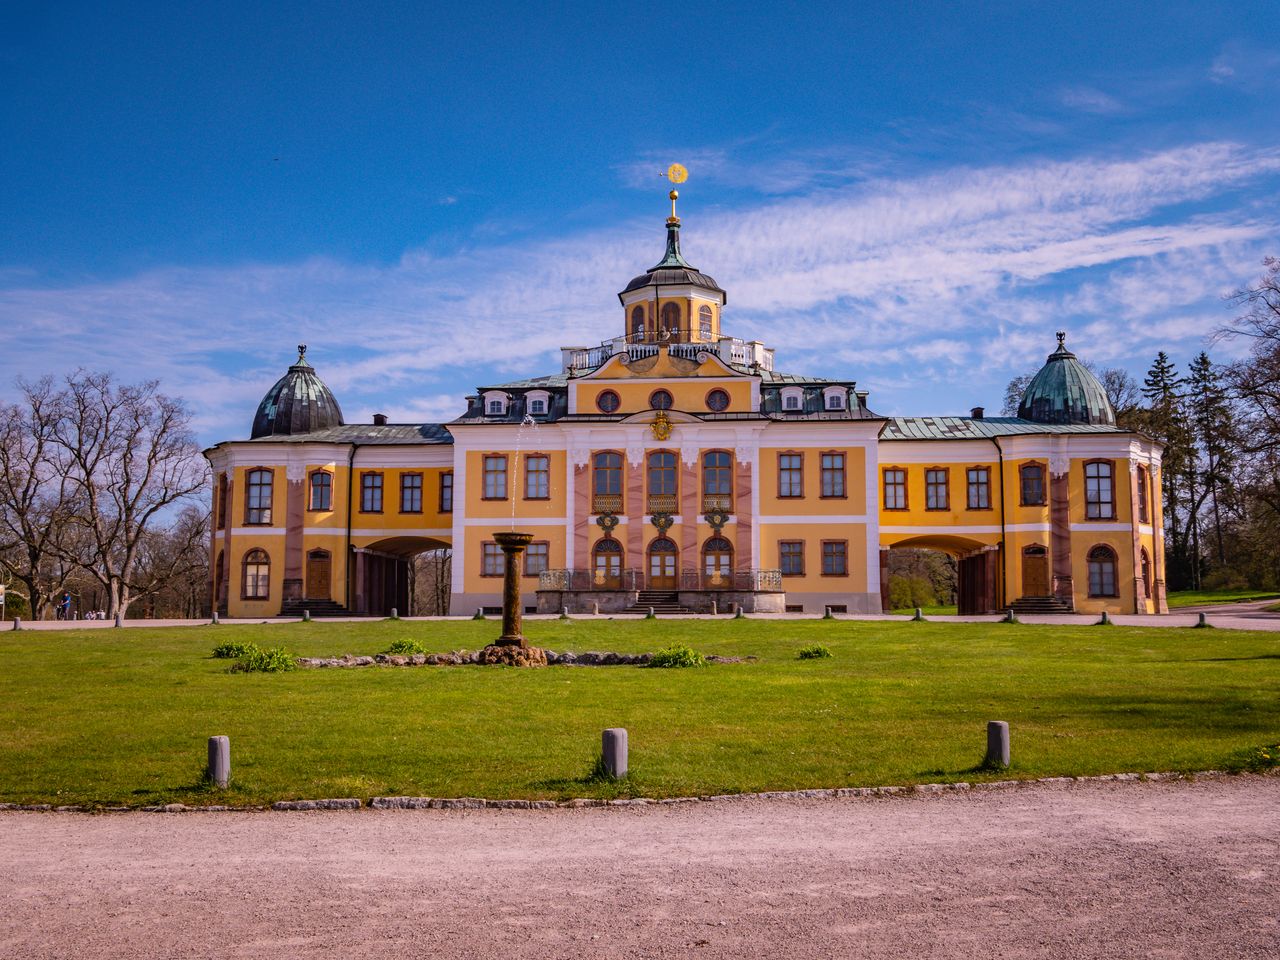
point(480, 803)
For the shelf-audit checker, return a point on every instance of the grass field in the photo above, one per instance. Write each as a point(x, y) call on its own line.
point(942, 610)
point(1198, 598)
point(121, 716)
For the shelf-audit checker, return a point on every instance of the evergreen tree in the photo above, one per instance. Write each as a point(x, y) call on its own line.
point(1213, 424)
point(1165, 419)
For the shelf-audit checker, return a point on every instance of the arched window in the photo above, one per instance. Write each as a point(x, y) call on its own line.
point(1032, 475)
point(1102, 572)
point(660, 400)
point(257, 575)
point(1099, 492)
point(717, 480)
point(607, 564)
point(1146, 572)
point(663, 555)
point(606, 482)
point(717, 563)
point(670, 320)
point(321, 490)
point(704, 322)
point(637, 323)
point(662, 482)
point(258, 497)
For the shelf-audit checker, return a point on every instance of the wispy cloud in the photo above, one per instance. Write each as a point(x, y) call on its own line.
point(1090, 100)
point(909, 283)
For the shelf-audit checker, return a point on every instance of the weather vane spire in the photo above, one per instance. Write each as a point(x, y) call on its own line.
point(676, 174)
point(1062, 338)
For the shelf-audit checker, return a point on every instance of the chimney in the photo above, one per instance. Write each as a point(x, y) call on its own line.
point(379, 419)
point(976, 413)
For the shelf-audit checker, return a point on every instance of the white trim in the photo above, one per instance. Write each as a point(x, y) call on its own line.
point(683, 292)
point(994, 528)
point(516, 521)
point(378, 532)
point(811, 518)
point(1100, 526)
point(257, 531)
point(1146, 529)
point(458, 566)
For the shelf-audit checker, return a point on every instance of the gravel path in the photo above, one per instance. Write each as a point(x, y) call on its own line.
point(1074, 870)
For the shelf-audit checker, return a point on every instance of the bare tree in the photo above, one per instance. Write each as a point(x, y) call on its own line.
point(35, 497)
point(433, 582)
point(131, 458)
point(172, 570)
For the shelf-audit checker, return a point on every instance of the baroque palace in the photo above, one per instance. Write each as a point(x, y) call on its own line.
point(676, 466)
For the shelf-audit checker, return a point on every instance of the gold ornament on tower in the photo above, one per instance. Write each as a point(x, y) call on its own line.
point(677, 174)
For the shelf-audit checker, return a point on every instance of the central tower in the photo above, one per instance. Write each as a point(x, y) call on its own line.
point(672, 302)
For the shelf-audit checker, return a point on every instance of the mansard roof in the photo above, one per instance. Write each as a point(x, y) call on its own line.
point(981, 428)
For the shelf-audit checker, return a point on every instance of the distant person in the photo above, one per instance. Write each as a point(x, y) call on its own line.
point(63, 609)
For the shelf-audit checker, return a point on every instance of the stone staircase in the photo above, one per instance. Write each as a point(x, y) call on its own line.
point(318, 608)
point(1040, 605)
point(662, 601)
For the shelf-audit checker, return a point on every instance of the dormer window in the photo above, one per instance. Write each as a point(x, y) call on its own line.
point(537, 402)
point(834, 398)
point(495, 403)
point(792, 399)
point(537, 406)
point(791, 402)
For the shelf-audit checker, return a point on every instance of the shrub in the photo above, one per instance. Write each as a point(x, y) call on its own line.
point(271, 660)
point(405, 646)
point(815, 652)
point(1257, 759)
point(678, 656)
point(234, 650)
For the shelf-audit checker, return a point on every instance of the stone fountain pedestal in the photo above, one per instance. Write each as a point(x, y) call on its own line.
point(512, 649)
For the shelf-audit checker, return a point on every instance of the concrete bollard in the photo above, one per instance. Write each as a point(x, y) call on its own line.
point(613, 747)
point(919, 615)
point(219, 769)
point(564, 613)
point(1202, 622)
point(119, 620)
point(479, 614)
point(827, 614)
point(651, 615)
point(17, 623)
point(595, 609)
point(306, 615)
point(1104, 620)
point(714, 611)
point(738, 613)
point(214, 619)
point(997, 744)
point(395, 614)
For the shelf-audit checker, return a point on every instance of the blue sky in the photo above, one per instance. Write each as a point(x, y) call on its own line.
point(433, 197)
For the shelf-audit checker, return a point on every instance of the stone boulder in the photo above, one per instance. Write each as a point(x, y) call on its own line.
point(511, 656)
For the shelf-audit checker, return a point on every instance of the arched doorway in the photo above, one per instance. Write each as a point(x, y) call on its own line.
point(975, 571)
point(663, 560)
point(606, 565)
point(319, 575)
point(384, 575)
point(1035, 571)
point(717, 564)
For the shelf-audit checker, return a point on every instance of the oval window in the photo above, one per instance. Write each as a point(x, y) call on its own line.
point(660, 400)
point(608, 402)
point(717, 400)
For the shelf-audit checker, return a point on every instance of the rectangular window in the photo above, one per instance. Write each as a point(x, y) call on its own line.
point(791, 557)
point(936, 495)
point(495, 477)
point(790, 475)
point(606, 482)
point(537, 477)
point(835, 558)
point(370, 493)
point(446, 492)
point(1032, 485)
point(833, 474)
point(258, 497)
point(1144, 510)
point(1099, 495)
point(321, 490)
point(895, 489)
point(979, 488)
point(222, 501)
point(535, 558)
point(411, 493)
point(537, 406)
point(492, 563)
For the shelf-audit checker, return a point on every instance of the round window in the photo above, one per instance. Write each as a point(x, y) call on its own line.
point(660, 400)
point(717, 400)
point(608, 401)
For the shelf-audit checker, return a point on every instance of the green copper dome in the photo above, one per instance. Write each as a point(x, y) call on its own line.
point(298, 403)
point(1064, 391)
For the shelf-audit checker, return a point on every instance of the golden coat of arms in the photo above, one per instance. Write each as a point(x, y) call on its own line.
point(661, 426)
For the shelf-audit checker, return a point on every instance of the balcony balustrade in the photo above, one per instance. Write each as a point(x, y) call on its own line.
point(748, 581)
point(606, 503)
point(717, 501)
point(662, 503)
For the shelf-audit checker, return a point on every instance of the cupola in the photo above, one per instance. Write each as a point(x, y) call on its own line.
point(673, 301)
point(298, 403)
point(1065, 391)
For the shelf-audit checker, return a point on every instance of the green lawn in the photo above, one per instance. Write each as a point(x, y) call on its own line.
point(121, 716)
point(1198, 598)
point(942, 610)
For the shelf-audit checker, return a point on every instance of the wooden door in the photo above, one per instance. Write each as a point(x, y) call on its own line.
point(1035, 572)
point(662, 565)
point(318, 567)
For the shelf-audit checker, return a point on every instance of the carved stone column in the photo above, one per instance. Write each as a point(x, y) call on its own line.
point(513, 545)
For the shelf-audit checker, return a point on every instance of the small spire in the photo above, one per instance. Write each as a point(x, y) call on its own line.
point(302, 356)
point(674, 195)
point(1062, 339)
